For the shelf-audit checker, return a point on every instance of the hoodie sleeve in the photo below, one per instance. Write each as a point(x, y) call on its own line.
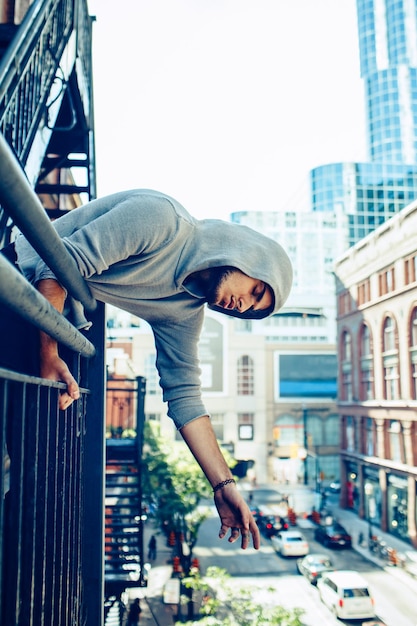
point(178, 366)
point(140, 224)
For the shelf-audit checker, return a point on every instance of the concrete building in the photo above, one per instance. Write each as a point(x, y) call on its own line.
point(377, 344)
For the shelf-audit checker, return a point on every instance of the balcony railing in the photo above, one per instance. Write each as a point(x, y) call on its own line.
point(53, 470)
point(51, 517)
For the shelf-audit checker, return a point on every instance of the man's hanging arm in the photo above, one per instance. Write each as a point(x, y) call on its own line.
point(233, 511)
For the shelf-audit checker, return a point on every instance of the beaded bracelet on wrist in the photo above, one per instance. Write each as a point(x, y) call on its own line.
point(223, 484)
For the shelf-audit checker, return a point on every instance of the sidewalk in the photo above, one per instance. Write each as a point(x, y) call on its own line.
point(156, 613)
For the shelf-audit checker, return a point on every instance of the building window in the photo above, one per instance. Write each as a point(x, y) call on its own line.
point(351, 434)
point(217, 422)
point(386, 280)
point(396, 441)
point(389, 335)
point(151, 375)
point(289, 431)
point(413, 353)
point(410, 269)
point(245, 376)
point(370, 437)
point(364, 292)
point(243, 326)
point(390, 360)
point(346, 365)
point(332, 431)
point(245, 426)
point(344, 302)
point(314, 431)
point(153, 417)
point(366, 364)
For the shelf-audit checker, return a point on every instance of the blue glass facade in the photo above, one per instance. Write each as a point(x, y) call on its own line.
point(387, 32)
point(370, 193)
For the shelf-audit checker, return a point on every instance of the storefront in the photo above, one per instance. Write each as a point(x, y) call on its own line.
point(352, 486)
point(397, 505)
point(372, 496)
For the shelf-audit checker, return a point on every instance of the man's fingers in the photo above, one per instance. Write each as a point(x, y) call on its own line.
point(256, 536)
point(73, 390)
point(234, 534)
point(65, 401)
point(72, 393)
point(245, 539)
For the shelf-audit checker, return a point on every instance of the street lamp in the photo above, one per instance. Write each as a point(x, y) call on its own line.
point(305, 443)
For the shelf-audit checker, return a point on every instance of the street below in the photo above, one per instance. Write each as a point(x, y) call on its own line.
point(395, 603)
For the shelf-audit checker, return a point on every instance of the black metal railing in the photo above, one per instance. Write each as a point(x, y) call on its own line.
point(28, 68)
point(124, 514)
point(40, 87)
point(51, 516)
point(53, 470)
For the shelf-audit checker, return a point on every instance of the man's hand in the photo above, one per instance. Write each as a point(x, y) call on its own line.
point(233, 511)
point(54, 368)
point(234, 514)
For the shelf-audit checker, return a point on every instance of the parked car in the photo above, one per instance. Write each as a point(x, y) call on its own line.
point(333, 536)
point(270, 525)
point(290, 543)
point(269, 520)
point(334, 487)
point(313, 566)
point(346, 594)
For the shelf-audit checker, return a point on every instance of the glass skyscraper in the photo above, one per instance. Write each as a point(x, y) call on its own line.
point(372, 192)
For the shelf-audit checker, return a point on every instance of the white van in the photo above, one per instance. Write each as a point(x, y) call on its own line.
point(346, 593)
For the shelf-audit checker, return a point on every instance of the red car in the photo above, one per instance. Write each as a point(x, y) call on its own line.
point(333, 536)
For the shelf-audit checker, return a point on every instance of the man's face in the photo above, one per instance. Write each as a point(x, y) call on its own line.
point(232, 289)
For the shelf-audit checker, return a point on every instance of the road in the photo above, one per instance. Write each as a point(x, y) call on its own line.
point(396, 603)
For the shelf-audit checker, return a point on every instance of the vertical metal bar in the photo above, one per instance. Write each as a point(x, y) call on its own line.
point(4, 471)
point(140, 425)
point(93, 478)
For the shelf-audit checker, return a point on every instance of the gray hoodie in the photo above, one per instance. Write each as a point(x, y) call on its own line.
point(136, 249)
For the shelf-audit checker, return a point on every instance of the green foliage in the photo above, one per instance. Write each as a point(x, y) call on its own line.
point(238, 607)
point(172, 482)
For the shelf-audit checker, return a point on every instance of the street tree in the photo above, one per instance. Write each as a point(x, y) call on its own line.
point(225, 604)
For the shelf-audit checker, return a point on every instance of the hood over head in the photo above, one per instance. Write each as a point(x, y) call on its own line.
point(218, 243)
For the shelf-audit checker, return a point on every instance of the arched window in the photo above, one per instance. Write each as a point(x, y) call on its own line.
point(366, 364)
point(389, 334)
point(314, 431)
point(396, 441)
point(289, 431)
point(346, 349)
point(370, 437)
point(390, 360)
point(413, 353)
point(245, 377)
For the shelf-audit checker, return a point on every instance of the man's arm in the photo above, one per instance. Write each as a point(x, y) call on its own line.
point(52, 366)
point(233, 511)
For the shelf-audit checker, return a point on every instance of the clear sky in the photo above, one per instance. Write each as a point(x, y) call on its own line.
point(225, 104)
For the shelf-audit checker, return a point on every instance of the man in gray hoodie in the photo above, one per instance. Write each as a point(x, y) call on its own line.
point(141, 251)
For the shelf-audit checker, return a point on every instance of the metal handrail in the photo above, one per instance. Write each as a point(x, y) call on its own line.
point(25, 300)
point(21, 203)
point(26, 75)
